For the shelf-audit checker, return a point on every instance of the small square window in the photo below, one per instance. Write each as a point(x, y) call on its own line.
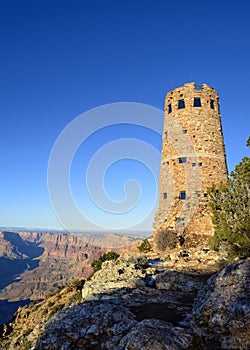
point(205, 195)
point(181, 104)
point(197, 102)
point(178, 219)
point(212, 104)
point(193, 164)
point(198, 194)
point(182, 160)
point(182, 195)
point(198, 87)
point(169, 108)
point(184, 131)
point(200, 164)
point(165, 195)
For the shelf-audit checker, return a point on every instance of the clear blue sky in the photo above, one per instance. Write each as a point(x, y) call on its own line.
point(61, 58)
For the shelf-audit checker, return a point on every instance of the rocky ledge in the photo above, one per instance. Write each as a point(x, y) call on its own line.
point(140, 303)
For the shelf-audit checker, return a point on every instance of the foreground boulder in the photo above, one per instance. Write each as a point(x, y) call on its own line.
point(110, 326)
point(221, 312)
point(122, 309)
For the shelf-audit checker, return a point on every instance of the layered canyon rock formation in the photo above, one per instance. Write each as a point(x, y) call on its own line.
point(34, 265)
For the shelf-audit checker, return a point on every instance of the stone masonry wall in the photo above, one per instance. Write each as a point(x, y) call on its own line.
point(193, 158)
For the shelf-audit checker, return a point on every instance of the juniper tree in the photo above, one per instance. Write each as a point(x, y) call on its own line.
point(230, 203)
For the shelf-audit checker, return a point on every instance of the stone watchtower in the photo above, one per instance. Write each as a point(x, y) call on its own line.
point(193, 158)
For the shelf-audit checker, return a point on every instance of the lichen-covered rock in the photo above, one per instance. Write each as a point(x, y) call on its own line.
point(121, 311)
point(122, 285)
point(123, 274)
point(91, 325)
point(155, 334)
point(221, 313)
point(179, 281)
point(110, 325)
point(114, 275)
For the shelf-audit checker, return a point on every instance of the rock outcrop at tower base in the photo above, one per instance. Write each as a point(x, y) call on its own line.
point(140, 303)
point(193, 158)
point(148, 318)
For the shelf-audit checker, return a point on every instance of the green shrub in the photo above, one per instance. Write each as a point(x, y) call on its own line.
point(27, 345)
point(79, 284)
point(230, 204)
point(56, 308)
point(75, 299)
point(145, 246)
point(97, 264)
point(27, 332)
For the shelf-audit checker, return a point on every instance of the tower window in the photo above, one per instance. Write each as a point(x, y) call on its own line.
point(198, 87)
point(205, 195)
point(182, 195)
point(193, 164)
point(200, 164)
point(178, 219)
point(165, 195)
point(181, 104)
point(212, 104)
point(169, 108)
point(197, 102)
point(184, 131)
point(182, 160)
